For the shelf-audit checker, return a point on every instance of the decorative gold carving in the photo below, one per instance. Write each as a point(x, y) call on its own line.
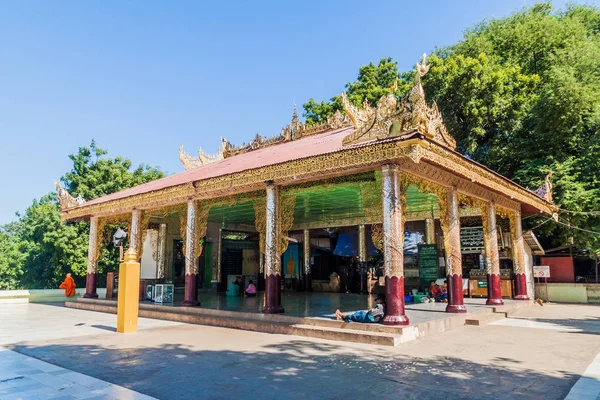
point(65, 200)
point(202, 211)
point(260, 220)
point(349, 160)
point(287, 203)
point(190, 162)
point(545, 191)
point(392, 118)
point(377, 236)
point(518, 251)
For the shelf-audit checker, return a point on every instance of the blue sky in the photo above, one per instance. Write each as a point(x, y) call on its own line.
point(143, 77)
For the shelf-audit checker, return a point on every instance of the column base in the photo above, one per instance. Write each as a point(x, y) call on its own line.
point(273, 295)
point(273, 310)
point(456, 308)
point(521, 287)
point(494, 290)
point(90, 286)
point(190, 294)
point(455, 295)
point(395, 320)
point(307, 283)
point(394, 298)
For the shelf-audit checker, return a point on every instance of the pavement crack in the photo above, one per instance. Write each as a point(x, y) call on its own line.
point(12, 379)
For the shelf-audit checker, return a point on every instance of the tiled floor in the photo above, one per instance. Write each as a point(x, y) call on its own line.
point(27, 378)
point(34, 319)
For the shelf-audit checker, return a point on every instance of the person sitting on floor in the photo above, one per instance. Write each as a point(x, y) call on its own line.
point(435, 292)
point(251, 289)
point(234, 288)
point(444, 297)
point(374, 315)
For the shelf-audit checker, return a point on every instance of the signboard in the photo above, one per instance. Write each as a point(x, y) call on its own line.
point(482, 284)
point(428, 269)
point(542, 271)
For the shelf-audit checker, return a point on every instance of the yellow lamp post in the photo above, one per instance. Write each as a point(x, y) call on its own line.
point(129, 292)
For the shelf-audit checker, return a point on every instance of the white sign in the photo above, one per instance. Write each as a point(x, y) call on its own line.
point(542, 271)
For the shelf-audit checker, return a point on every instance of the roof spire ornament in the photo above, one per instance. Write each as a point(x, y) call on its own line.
point(391, 118)
point(65, 200)
point(545, 190)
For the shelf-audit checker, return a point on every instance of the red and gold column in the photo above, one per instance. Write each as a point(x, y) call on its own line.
point(518, 251)
point(393, 245)
point(91, 277)
point(451, 227)
point(490, 232)
point(162, 251)
point(190, 294)
point(272, 264)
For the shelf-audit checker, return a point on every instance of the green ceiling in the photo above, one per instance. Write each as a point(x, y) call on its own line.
point(322, 203)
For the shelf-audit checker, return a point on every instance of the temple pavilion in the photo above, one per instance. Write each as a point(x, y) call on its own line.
point(270, 207)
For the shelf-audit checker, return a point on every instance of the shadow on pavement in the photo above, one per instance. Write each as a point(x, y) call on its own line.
point(300, 369)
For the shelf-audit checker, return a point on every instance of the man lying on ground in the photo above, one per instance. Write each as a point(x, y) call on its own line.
point(375, 314)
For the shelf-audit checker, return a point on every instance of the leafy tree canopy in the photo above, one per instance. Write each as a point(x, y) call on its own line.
point(38, 250)
point(520, 94)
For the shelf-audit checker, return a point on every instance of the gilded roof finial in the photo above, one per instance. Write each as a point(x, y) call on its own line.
point(392, 118)
point(65, 199)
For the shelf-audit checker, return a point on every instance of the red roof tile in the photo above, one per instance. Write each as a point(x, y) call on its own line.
point(323, 143)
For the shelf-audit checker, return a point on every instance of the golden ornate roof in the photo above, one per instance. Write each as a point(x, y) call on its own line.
point(392, 118)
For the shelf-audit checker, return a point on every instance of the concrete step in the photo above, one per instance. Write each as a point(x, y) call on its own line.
point(347, 335)
point(275, 325)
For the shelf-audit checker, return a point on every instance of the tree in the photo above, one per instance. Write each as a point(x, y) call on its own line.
point(521, 95)
point(11, 257)
point(372, 83)
point(38, 250)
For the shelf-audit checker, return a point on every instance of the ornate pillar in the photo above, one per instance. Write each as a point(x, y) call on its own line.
point(490, 232)
point(518, 251)
point(190, 295)
point(307, 278)
point(161, 251)
point(393, 198)
point(91, 277)
point(272, 264)
point(362, 244)
point(453, 254)
point(135, 236)
point(430, 231)
point(362, 257)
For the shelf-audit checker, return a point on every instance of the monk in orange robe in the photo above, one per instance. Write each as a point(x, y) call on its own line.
point(69, 286)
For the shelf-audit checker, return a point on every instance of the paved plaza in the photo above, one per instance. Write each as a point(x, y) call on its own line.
point(50, 351)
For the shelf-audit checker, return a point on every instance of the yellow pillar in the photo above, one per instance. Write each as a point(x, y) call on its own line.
point(129, 293)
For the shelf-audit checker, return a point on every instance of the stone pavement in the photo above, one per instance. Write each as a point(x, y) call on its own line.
point(500, 361)
point(23, 377)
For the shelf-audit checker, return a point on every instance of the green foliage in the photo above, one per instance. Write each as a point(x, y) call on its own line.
point(11, 257)
point(372, 83)
point(38, 250)
point(520, 94)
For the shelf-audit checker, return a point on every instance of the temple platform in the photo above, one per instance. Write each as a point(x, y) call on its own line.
point(312, 315)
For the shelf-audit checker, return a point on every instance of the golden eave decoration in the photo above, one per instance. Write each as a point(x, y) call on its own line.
point(190, 162)
point(65, 199)
point(391, 118)
point(293, 131)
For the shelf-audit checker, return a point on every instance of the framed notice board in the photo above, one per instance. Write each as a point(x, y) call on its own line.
point(428, 268)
